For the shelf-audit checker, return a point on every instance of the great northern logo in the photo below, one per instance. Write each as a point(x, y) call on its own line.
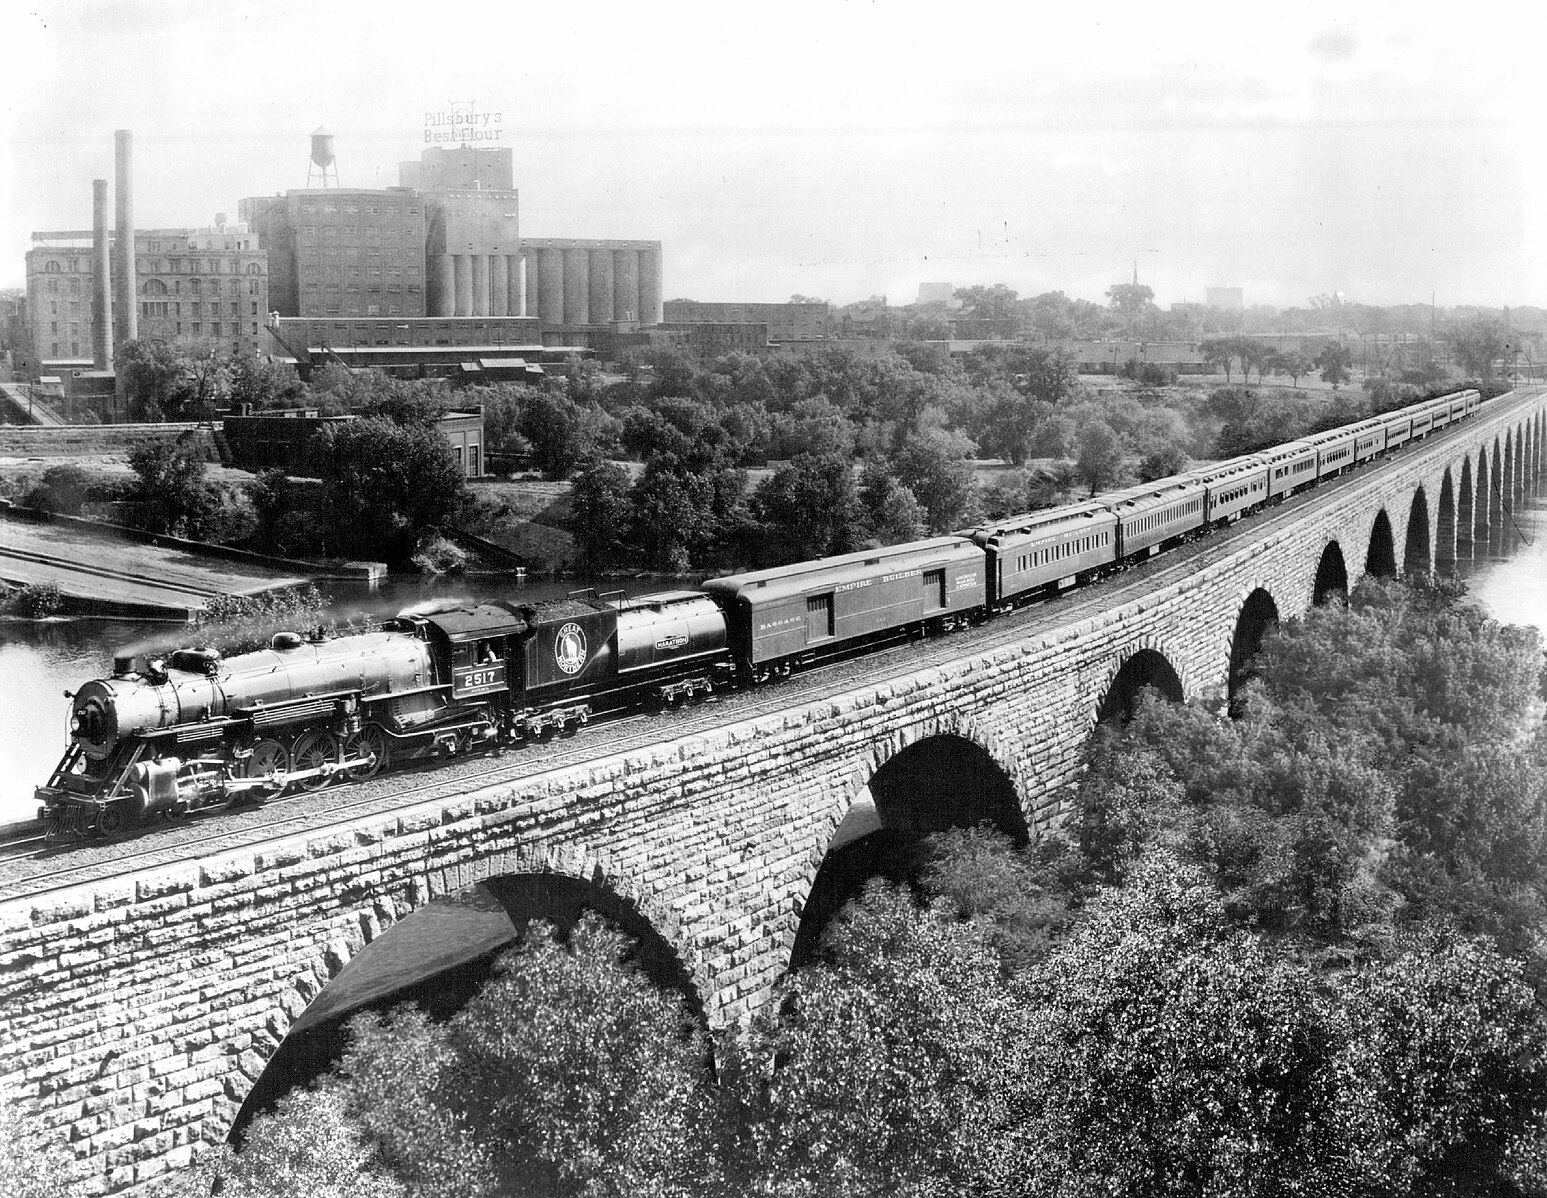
point(569, 648)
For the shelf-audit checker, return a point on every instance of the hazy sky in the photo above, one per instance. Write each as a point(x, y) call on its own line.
point(1388, 151)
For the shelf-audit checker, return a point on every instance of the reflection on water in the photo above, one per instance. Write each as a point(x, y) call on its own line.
point(1508, 577)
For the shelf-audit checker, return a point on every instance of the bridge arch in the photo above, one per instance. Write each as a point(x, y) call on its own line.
point(1258, 616)
point(1143, 668)
point(347, 975)
point(926, 779)
point(1381, 559)
point(1416, 558)
point(1331, 582)
point(1445, 527)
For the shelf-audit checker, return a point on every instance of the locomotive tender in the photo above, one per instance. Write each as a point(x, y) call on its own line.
point(174, 734)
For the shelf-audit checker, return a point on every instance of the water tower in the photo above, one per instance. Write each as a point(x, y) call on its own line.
point(321, 164)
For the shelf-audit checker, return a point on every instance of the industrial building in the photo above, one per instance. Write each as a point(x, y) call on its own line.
point(401, 276)
point(281, 440)
point(429, 277)
point(786, 322)
point(342, 251)
point(207, 283)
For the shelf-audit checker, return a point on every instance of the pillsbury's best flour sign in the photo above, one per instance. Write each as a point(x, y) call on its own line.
point(461, 124)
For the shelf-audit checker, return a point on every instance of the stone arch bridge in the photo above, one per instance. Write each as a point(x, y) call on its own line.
point(137, 1011)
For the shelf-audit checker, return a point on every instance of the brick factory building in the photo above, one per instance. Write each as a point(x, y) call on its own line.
point(339, 251)
point(786, 322)
point(191, 284)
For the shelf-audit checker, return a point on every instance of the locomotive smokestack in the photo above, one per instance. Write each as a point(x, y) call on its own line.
point(101, 297)
point(128, 310)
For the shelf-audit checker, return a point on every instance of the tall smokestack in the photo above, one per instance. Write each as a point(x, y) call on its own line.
point(101, 297)
point(128, 326)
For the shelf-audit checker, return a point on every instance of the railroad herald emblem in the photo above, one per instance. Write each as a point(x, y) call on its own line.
point(569, 649)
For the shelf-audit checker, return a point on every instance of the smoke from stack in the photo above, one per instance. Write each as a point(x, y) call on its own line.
point(101, 297)
point(128, 325)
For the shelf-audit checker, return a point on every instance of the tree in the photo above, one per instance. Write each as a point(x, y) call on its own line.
point(1098, 454)
point(602, 513)
point(885, 1074)
point(933, 466)
point(1254, 355)
point(153, 378)
point(987, 303)
point(259, 384)
point(1477, 346)
point(674, 517)
point(1131, 300)
point(1442, 1076)
point(1335, 362)
point(585, 1076)
point(386, 485)
point(1169, 1053)
point(63, 489)
point(1293, 363)
point(891, 514)
point(206, 380)
point(808, 508)
point(170, 483)
point(1218, 351)
point(560, 431)
point(308, 1147)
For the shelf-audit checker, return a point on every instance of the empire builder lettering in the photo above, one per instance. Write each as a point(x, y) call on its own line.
point(461, 126)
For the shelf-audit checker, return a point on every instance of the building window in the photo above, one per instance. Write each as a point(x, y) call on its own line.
point(254, 269)
point(196, 327)
point(51, 267)
point(214, 328)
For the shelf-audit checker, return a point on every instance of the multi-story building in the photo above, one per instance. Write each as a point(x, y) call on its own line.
point(340, 251)
point(192, 284)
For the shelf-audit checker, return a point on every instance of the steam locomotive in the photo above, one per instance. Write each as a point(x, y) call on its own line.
point(169, 735)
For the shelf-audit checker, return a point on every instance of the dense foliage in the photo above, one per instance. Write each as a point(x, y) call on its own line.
point(1293, 953)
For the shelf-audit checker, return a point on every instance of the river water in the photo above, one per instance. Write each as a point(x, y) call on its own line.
point(38, 662)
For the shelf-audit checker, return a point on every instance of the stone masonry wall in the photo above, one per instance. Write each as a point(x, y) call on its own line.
point(137, 1011)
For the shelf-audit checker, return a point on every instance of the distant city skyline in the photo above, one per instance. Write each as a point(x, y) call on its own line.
point(847, 150)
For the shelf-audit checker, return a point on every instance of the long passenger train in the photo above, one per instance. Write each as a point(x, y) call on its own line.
point(169, 735)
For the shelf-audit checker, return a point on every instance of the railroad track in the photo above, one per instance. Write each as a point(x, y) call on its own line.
point(37, 871)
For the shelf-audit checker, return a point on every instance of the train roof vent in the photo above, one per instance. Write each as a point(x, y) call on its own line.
point(872, 561)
